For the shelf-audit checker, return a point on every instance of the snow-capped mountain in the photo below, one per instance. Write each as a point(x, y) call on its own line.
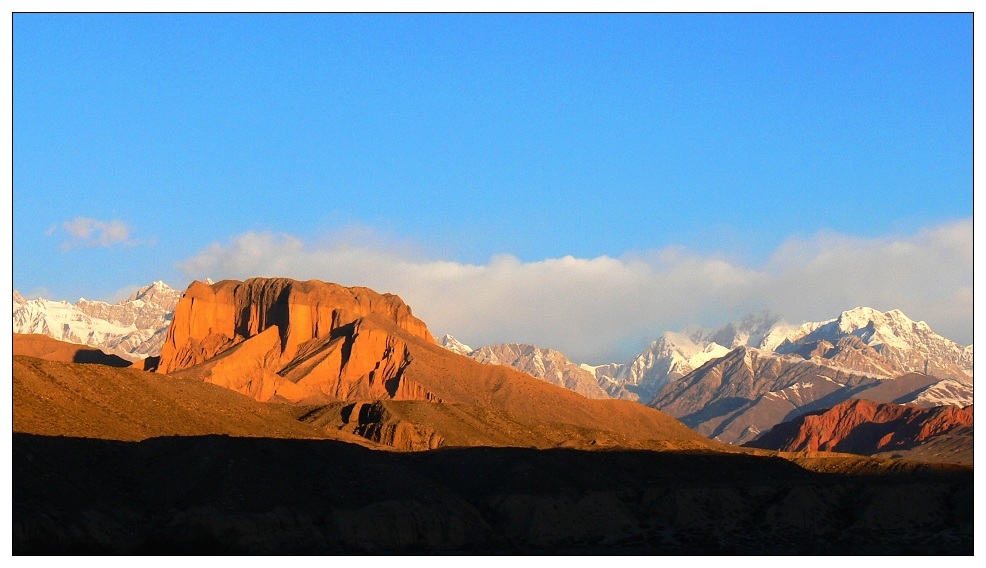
point(863, 353)
point(736, 397)
point(545, 364)
point(134, 328)
point(886, 343)
point(606, 377)
point(675, 354)
point(864, 340)
point(669, 357)
point(454, 345)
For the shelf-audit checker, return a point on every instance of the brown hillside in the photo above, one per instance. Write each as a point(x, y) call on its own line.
point(44, 347)
point(94, 401)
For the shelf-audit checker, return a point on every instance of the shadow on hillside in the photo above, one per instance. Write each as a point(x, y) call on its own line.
point(216, 494)
point(95, 356)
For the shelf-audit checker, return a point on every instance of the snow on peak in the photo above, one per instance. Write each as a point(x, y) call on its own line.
point(133, 328)
point(454, 345)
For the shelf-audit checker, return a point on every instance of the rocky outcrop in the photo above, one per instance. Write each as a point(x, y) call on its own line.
point(375, 422)
point(296, 341)
point(210, 318)
point(865, 427)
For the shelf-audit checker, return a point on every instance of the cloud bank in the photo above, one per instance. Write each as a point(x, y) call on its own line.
point(88, 232)
point(601, 309)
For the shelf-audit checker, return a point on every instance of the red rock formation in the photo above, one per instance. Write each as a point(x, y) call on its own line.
point(865, 427)
point(301, 341)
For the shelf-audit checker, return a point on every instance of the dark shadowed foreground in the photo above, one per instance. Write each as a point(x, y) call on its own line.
point(219, 494)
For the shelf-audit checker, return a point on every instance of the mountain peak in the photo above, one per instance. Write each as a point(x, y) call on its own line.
point(454, 345)
point(157, 293)
point(133, 328)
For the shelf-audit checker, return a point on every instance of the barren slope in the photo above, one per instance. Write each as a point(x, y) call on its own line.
point(95, 401)
point(44, 347)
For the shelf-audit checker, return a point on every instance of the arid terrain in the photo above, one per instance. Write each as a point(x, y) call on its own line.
point(311, 418)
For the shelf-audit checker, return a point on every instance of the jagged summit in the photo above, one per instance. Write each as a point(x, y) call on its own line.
point(894, 344)
point(133, 328)
point(548, 365)
point(454, 345)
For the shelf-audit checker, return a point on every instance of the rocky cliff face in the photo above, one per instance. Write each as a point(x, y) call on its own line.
point(294, 340)
point(866, 427)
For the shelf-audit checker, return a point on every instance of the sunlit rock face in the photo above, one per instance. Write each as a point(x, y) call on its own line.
point(312, 340)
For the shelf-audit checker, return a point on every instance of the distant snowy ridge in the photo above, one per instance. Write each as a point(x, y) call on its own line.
point(862, 341)
point(887, 341)
point(134, 328)
point(546, 364)
point(454, 345)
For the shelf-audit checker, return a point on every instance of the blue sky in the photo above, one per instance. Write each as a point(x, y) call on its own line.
point(580, 181)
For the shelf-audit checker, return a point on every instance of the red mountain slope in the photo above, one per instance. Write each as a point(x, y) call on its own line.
point(866, 427)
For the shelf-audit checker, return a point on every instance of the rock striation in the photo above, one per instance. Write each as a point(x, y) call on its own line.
point(867, 427)
point(298, 341)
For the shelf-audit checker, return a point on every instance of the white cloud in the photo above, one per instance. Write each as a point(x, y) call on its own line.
point(88, 232)
point(601, 308)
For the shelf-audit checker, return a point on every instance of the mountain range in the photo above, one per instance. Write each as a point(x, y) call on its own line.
point(731, 383)
point(308, 417)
